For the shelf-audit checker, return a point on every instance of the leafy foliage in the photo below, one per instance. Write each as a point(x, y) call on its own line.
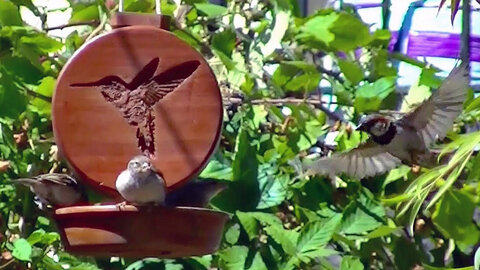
point(269, 62)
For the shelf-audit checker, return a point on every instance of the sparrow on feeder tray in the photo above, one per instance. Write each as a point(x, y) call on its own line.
point(54, 190)
point(140, 184)
point(404, 140)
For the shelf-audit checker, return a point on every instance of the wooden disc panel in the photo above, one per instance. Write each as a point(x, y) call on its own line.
point(135, 90)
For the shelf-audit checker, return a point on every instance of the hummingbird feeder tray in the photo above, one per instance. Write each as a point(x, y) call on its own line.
point(137, 89)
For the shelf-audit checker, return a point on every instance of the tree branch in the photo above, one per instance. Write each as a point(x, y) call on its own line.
point(37, 95)
point(332, 74)
point(282, 101)
point(60, 27)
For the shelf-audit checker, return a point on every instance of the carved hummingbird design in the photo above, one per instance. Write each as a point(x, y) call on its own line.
point(135, 100)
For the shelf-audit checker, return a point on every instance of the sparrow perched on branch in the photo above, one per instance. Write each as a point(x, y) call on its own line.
point(54, 189)
point(404, 140)
point(140, 184)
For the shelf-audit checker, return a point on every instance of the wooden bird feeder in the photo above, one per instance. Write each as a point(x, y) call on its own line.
point(137, 90)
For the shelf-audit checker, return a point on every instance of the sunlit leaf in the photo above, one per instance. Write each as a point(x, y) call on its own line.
point(351, 263)
point(22, 250)
point(233, 258)
point(210, 10)
point(9, 14)
point(370, 96)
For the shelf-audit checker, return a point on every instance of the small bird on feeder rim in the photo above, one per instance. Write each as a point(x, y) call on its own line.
point(54, 190)
point(140, 184)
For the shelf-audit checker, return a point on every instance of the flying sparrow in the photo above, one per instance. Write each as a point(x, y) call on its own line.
point(54, 189)
point(140, 184)
point(403, 140)
point(135, 100)
point(195, 194)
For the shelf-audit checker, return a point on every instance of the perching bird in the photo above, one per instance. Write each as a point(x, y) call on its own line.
point(195, 194)
point(135, 100)
point(405, 140)
point(140, 184)
point(54, 189)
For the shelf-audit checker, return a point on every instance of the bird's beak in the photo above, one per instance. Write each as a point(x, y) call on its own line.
point(361, 127)
point(146, 167)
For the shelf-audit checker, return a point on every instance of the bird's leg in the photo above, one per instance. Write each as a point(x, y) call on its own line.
point(121, 205)
point(415, 162)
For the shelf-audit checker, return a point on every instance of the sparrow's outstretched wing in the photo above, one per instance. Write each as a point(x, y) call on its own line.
point(434, 117)
point(368, 159)
point(165, 82)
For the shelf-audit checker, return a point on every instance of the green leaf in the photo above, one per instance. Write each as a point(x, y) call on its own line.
point(350, 33)
point(317, 234)
point(36, 236)
point(217, 170)
point(339, 31)
point(12, 101)
point(351, 70)
point(22, 250)
point(453, 217)
point(9, 14)
point(286, 238)
point(224, 42)
point(382, 231)
point(90, 266)
point(83, 13)
point(318, 28)
point(362, 216)
point(43, 43)
point(173, 266)
point(475, 169)
point(146, 264)
point(22, 69)
point(381, 37)
point(249, 224)
point(244, 192)
point(370, 96)
point(273, 189)
point(233, 258)
point(232, 234)
point(296, 76)
point(257, 263)
point(210, 10)
point(351, 263)
point(204, 261)
point(249, 221)
point(416, 95)
point(45, 88)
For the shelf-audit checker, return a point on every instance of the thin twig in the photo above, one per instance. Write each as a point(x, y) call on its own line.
point(204, 46)
point(282, 101)
point(60, 27)
point(37, 95)
point(97, 30)
point(332, 74)
point(4, 266)
point(275, 101)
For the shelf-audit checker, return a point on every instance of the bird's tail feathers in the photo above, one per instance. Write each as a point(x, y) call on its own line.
point(24, 181)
